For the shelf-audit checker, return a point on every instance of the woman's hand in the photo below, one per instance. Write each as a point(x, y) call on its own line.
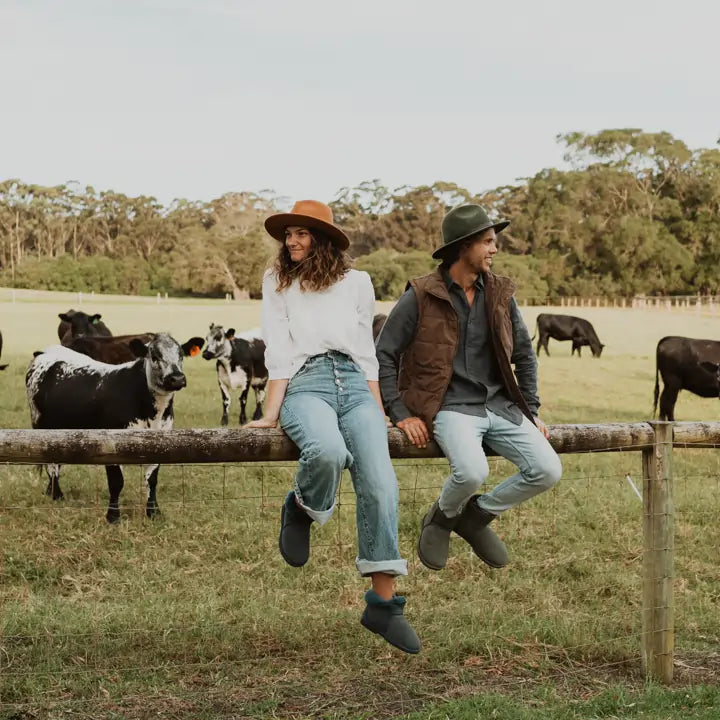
point(261, 423)
point(275, 394)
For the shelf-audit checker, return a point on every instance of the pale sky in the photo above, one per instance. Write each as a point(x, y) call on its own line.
point(194, 98)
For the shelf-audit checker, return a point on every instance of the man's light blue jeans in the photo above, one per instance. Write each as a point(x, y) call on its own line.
point(461, 436)
point(330, 414)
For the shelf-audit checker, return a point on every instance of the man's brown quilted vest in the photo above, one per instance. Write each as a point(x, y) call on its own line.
point(427, 364)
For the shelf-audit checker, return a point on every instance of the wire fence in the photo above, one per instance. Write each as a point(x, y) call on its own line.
point(126, 602)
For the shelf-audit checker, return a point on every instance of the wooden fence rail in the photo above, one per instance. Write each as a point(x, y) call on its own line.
point(101, 447)
point(654, 439)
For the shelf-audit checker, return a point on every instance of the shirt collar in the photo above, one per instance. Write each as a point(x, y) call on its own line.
point(449, 282)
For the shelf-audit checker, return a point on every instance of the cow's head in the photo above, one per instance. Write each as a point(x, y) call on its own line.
point(163, 362)
point(217, 342)
point(81, 323)
point(596, 349)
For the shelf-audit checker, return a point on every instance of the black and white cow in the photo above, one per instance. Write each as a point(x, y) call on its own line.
point(69, 390)
point(240, 364)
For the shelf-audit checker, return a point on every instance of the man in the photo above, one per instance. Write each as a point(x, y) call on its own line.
point(445, 356)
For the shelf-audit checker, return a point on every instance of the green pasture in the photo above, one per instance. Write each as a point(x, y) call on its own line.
point(195, 614)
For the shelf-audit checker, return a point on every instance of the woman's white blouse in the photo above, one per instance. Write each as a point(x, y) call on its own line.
point(297, 324)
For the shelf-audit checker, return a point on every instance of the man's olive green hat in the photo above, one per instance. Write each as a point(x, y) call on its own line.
point(464, 221)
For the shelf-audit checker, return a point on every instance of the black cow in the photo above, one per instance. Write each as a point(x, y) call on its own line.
point(240, 363)
point(68, 390)
point(117, 348)
point(2, 367)
point(684, 364)
point(75, 323)
point(377, 326)
point(113, 350)
point(567, 327)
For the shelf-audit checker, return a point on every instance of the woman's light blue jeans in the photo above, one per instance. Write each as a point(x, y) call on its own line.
point(461, 437)
point(330, 414)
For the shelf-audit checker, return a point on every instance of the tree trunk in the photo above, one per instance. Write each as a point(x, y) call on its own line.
point(238, 294)
point(17, 240)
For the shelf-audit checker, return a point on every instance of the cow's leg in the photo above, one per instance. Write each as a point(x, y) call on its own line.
point(115, 486)
point(243, 403)
point(259, 399)
point(151, 477)
point(544, 343)
point(668, 398)
point(53, 487)
point(225, 394)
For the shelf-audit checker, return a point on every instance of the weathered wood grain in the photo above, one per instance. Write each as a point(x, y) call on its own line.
point(658, 621)
point(99, 447)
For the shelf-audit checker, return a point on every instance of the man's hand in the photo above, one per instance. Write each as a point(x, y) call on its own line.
point(416, 431)
point(261, 423)
point(542, 427)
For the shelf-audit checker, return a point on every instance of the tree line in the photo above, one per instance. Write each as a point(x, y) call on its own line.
point(635, 213)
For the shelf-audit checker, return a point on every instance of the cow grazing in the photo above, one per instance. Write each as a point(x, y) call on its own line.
point(2, 367)
point(684, 364)
point(240, 364)
point(377, 326)
point(567, 327)
point(75, 323)
point(68, 390)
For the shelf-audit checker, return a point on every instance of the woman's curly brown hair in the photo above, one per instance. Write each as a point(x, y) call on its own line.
point(325, 264)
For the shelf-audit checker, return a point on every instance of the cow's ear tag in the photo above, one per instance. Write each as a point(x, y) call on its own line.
point(194, 350)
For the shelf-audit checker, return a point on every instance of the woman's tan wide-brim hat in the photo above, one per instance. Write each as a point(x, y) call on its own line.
point(310, 214)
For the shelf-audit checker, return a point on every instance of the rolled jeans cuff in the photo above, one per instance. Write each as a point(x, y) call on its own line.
point(319, 516)
point(388, 567)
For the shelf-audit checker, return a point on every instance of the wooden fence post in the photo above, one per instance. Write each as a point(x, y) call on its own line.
point(658, 621)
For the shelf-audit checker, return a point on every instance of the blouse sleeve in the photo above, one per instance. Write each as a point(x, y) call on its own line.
point(275, 329)
point(366, 357)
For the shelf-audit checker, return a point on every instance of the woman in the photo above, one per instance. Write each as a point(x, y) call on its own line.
point(323, 388)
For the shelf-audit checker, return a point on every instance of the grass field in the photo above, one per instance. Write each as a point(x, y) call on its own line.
point(196, 615)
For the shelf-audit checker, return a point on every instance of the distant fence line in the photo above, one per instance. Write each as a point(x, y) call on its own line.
point(79, 298)
point(654, 439)
point(697, 303)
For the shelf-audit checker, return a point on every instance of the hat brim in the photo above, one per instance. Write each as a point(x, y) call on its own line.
point(276, 224)
point(497, 227)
